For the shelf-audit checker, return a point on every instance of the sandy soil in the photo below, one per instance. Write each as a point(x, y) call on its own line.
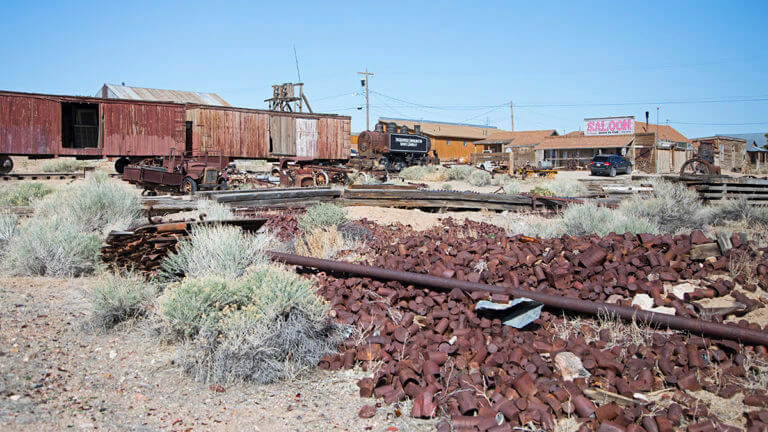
point(418, 219)
point(56, 375)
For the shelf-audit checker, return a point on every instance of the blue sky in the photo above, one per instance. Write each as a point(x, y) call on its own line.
point(448, 61)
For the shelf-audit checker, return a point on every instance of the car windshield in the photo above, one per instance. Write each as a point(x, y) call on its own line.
point(601, 159)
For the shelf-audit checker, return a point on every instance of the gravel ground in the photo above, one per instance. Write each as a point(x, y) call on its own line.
point(55, 374)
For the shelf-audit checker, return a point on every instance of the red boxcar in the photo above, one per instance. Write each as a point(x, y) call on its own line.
point(41, 126)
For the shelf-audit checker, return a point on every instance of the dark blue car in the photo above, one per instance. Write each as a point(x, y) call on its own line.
point(610, 165)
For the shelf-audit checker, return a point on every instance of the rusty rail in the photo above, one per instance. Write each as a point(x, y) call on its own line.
point(706, 328)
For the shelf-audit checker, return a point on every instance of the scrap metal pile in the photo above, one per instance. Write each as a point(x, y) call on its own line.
point(435, 348)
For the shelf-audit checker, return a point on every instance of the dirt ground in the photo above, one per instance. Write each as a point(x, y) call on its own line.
point(55, 374)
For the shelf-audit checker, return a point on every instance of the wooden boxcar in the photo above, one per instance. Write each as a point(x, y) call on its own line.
point(43, 126)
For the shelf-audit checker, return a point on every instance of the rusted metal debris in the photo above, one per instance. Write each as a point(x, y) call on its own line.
point(430, 346)
point(569, 304)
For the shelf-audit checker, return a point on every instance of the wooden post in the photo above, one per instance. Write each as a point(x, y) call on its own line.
point(511, 162)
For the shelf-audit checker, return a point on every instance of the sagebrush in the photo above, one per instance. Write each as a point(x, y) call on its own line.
point(459, 172)
point(512, 188)
point(23, 194)
point(321, 215)
point(424, 173)
point(9, 227)
point(222, 250)
point(51, 246)
point(479, 178)
point(99, 204)
point(117, 298)
point(213, 211)
point(566, 187)
point(266, 325)
point(63, 165)
point(671, 206)
point(588, 218)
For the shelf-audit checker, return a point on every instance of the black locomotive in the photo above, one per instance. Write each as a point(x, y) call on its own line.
point(396, 147)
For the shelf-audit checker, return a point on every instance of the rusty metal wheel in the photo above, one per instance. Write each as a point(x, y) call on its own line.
point(6, 164)
point(694, 167)
point(188, 186)
point(321, 178)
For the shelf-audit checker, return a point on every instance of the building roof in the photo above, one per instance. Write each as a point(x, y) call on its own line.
point(517, 138)
point(756, 142)
point(460, 131)
point(663, 132)
point(579, 141)
point(114, 91)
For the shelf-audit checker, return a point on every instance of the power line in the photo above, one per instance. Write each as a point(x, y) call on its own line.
point(333, 97)
point(442, 107)
point(718, 124)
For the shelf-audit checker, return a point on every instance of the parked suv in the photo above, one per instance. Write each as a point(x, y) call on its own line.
point(610, 165)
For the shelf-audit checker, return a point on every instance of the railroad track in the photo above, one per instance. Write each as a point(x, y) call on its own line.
point(46, 176)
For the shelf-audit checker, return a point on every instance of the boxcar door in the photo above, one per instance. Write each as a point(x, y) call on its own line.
point(282, 141)
point(306, 138)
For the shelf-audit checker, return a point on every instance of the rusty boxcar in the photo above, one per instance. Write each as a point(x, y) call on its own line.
point(44, 126)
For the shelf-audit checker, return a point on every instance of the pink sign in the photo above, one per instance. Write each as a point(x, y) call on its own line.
point(609, 126)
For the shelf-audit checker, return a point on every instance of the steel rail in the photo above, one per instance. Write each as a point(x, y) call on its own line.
point(706, 328)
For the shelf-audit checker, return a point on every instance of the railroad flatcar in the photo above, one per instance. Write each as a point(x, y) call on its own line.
point(47, 126)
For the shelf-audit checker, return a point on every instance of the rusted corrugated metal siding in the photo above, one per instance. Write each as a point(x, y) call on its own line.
point(29, 125)
point(238, 134)
point(139, 129)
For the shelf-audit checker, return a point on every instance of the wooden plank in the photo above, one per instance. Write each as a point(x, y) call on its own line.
point(296, 194)
point(435, 195)
point(434, 204)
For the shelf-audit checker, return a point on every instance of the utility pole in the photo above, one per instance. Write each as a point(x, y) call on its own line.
point(511, 117)
point(366, 74)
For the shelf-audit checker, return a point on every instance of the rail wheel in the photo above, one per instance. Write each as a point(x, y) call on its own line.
point(321, 178)
point(6, 164)
point(121, 163)
point(188, 185)
point(694, 167)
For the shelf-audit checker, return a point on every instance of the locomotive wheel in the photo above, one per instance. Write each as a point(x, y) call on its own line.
point(694, 167)
point(6, 164)
point(321, 178)
point(188, 185)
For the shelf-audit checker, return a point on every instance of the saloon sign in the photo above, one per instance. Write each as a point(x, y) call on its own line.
point(609, 126)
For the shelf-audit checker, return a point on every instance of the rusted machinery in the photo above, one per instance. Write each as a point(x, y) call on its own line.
point(394, 149)
point(186, 172)
point(702, 163)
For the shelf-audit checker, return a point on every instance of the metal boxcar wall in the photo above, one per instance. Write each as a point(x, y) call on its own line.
point(140, 129)
point(333, 138)
point(29, 125)
point(238, 134)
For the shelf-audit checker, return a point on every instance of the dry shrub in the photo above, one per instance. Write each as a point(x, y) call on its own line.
point(566, 187)
point(446, 187)
point(671, 206)
point(118, 298)
point(9, 228)
point(211, 210)
point(319, 243)
point(619, 332)
point(321, 215)
point(588, 218)
point(423, 173)
point(23, 194)
point(63, 165)
point(512, 187)
point(221, 250)
point(479, 178)
point(459, 172)
point(261, 327)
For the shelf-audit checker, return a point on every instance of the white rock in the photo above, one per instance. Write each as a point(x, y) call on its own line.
point(680, 290)
point(112, 354)
point(643, 300)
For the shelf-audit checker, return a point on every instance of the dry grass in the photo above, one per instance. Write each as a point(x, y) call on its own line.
point(620, 333)
point(741, 263)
